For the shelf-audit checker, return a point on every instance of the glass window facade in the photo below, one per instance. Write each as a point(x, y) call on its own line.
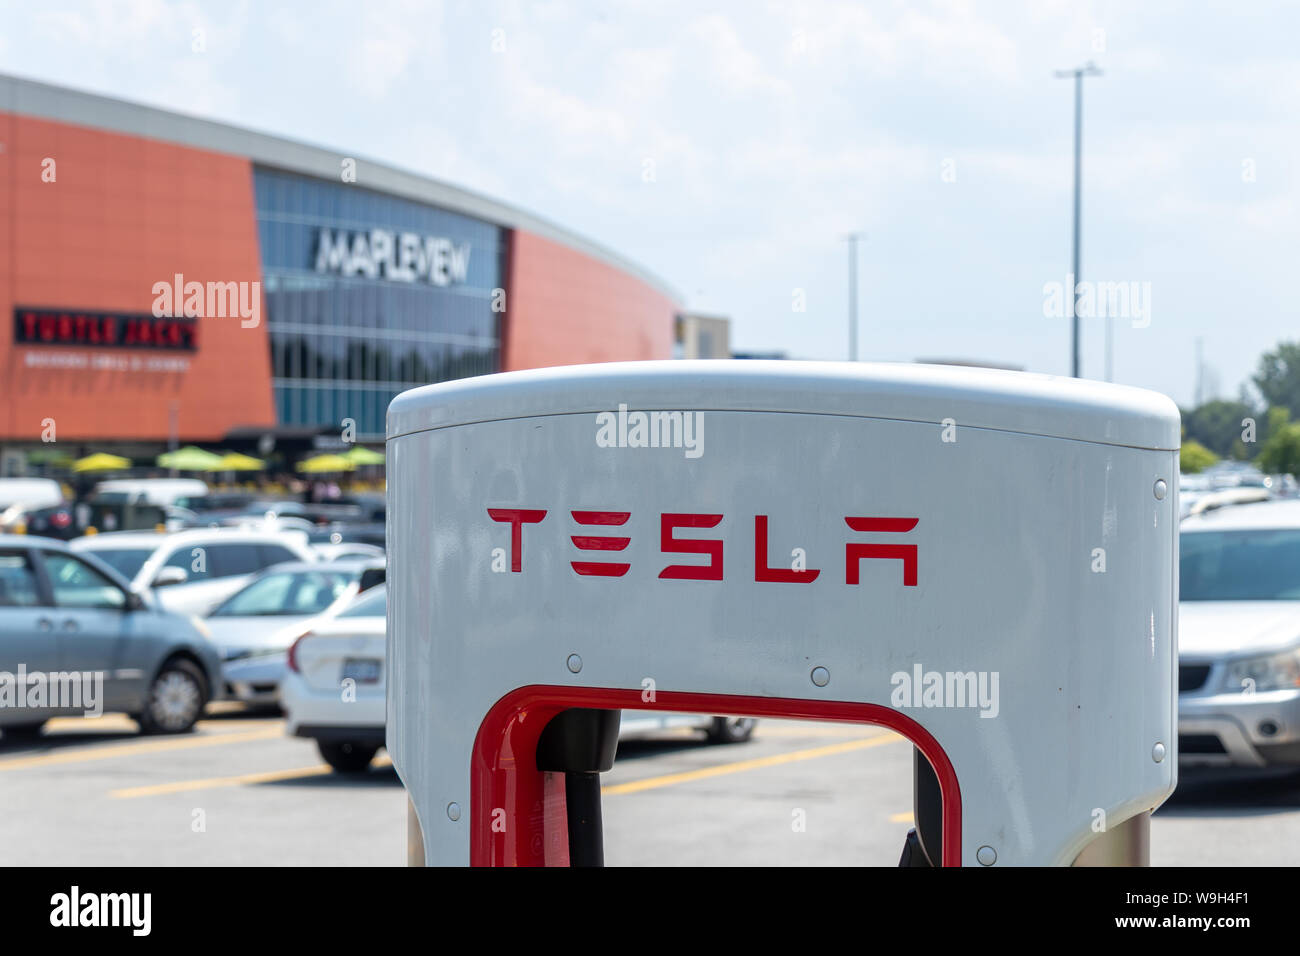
point(368, 295)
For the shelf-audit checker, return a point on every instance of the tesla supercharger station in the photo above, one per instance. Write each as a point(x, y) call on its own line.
point(981, 561)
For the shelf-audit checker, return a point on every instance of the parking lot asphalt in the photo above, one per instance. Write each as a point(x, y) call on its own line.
point(238, 792)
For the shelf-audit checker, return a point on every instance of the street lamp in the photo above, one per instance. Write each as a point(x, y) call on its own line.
point(1088, 69)
point(853, 295)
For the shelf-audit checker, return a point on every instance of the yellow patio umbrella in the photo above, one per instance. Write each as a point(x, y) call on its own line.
point(234, 461)
point(322, 464)
point(101, 461)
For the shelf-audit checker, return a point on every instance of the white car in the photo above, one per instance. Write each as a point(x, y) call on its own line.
point(255, 626)
point(720, 730)
point(1239, 636)
point(191, 572)
point(348, 551)
point(333, 690)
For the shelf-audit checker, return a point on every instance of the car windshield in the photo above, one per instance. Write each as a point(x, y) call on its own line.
point(287, 592)
point(371, 604)
point(1247, 565)
point(125, 561)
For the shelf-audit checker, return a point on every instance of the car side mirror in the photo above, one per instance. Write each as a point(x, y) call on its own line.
point(169, 576)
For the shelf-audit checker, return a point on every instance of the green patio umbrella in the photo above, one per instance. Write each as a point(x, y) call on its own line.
point(56, 458)
point(360, 455)
point(189, 458)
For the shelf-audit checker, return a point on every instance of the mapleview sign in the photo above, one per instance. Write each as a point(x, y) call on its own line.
point(78, 327)
point(399, 257)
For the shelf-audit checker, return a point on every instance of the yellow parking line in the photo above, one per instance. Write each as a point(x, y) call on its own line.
point(141, 747)
point(120, 723)
point(212, 782)
point(739, 766)
point(901, 817)
point(245, 779)
point(111, 721)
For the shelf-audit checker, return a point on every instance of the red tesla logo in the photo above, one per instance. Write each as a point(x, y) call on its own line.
point(605, 544)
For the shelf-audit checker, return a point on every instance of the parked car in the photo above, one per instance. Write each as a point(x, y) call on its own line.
point(312, 514)
point(163, 492)
point(35, 506)
point(254, 627)
point(63, 612)
point(192, 572)
point(48, 521)
point(1239, 636)
point(346, 721)
point(346, 551)
point(231, 501)
point(719, 730)
point(368, 533)
point(30, 492)
point(1212, 500)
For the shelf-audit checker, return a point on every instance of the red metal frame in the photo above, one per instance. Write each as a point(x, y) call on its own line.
point(504, 774)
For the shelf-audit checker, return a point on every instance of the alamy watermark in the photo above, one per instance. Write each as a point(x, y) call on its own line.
point(624, 429)
point(133, 911)
point(59, 690)
point(215, 300)
point(922, 688)
point(1120, 300)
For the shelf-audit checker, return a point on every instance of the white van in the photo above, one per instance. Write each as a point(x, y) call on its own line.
point(163, 492)
point(29, 492)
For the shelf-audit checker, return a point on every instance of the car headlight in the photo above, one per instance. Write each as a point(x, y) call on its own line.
point(1257, 674)
point(201, 628)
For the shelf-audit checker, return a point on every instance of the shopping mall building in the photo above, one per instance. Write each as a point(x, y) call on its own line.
point(167, 279)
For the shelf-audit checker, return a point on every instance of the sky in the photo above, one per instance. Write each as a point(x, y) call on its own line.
point(730, 148)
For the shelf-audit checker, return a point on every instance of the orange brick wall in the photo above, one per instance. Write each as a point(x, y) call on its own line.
point(566, 308)
point(124, 213)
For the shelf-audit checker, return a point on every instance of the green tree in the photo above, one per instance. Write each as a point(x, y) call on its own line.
point(1278, 377)
point(1281, 453)
point(1194, 457)
point(1218, 426)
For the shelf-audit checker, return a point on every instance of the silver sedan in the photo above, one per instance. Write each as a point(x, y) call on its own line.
point(255, 627)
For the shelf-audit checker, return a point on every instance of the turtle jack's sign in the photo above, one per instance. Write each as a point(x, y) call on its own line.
point(121, 330)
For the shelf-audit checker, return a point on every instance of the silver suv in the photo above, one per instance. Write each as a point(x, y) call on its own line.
point(1239, 636)
point(75, 640)
point(191, 572)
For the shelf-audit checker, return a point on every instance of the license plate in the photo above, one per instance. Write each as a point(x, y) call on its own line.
point(361, 670)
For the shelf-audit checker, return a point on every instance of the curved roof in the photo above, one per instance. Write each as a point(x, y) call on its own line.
point(64, 105)
point(1025, 402)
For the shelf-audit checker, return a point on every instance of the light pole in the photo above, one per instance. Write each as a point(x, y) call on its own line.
point(853, 295)
point(1088, 69)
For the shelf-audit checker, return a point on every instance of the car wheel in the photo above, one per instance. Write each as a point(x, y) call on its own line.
point(731, 730)
point(346, 757)
point(175, 700)
point(23, 731)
